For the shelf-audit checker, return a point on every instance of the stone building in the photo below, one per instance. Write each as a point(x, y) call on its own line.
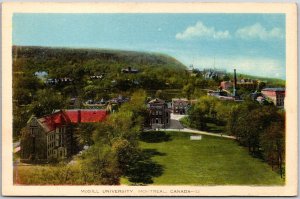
point(180, 105)
point(276, 95)
point(159, 114)
point(51, 136)
point(130, 70)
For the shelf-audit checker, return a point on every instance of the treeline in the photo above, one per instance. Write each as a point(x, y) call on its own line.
point(113, 152)
point(259, 128)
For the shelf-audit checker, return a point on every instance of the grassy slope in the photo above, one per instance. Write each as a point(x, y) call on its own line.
point(211, 161)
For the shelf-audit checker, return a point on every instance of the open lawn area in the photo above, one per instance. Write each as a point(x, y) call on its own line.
point(209, 161)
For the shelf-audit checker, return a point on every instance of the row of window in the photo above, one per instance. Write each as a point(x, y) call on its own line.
point(54, 152)
point(51, 137)
point(159, 113)
point(51, 152)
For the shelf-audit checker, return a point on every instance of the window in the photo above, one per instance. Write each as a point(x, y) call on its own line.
point(167, 114)
point(56, 142)
point(167, 121)
point(156, 120)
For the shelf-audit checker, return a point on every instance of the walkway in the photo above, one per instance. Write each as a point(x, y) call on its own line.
point(175, 125)
point(186, 130)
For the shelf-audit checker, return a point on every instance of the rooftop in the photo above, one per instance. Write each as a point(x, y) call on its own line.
point(74, 116)
point(273, 89)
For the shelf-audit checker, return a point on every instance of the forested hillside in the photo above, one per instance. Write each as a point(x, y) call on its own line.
point(46, 58)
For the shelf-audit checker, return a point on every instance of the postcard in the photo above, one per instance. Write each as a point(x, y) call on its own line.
point(149, 99)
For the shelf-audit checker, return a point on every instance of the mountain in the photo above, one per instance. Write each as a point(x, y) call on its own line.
point(47, 58)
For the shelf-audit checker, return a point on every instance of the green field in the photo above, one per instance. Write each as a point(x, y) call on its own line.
point(210, 161)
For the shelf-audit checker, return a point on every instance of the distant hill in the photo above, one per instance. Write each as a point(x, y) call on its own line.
point(38, 58)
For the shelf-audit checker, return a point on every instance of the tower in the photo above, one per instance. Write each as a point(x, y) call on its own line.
point(234, 83)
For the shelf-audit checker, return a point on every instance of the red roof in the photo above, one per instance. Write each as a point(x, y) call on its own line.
point(50, 122)
point(86, 115)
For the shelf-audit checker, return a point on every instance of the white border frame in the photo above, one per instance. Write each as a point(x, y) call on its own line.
point(290, 189)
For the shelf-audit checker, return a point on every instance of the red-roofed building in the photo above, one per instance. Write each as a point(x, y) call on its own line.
point(276, 95)
point(51, 136)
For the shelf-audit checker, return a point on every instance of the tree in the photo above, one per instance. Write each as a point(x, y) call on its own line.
point(46, 101)
point(83, 134)
point(188, 90)
point(99, 165)
point(273, 144)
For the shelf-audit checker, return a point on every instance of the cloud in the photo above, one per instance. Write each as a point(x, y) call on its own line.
point(257, 31)
point(199, 30)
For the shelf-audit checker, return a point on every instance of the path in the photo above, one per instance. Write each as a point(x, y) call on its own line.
point(186, 130)
point(175, 125)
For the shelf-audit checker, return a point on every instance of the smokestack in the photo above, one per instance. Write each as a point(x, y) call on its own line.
point(234, 84)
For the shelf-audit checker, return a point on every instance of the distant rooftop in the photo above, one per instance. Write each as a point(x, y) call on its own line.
point(273, 89)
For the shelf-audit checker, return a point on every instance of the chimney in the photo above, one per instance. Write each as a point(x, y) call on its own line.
point(79, 116)
point(234, 83)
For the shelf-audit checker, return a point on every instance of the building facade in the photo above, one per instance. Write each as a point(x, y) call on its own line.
point(51, 137)
point(180, 105)
point(276, 95)
point(159, 114)
point(226, 85)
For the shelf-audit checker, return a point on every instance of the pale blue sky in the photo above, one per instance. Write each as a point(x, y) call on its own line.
point(251, 43)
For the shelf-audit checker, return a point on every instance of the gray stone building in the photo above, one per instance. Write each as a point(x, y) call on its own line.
point(180, 105)
point(159, 114)
point(51, 137)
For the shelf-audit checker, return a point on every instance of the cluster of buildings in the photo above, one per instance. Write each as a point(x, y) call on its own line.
point(274, 95)
point(55, 81)
point(243, 83)
point(50, 137)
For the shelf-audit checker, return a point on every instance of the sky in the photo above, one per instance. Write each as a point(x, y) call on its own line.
point(252, 43)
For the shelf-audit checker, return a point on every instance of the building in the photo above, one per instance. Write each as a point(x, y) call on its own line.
point(276, 95)
point(213, 73)
point(247, 84)
point(42, 75)
point(226, 85)
point(159, 114)
point(55, 81)
point(129, 70)
point(51, 137)
point(180, 105)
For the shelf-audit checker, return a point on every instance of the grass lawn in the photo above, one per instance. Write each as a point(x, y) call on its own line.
point(210, 161)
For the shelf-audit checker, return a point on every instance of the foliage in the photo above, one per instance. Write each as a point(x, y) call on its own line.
point(99, 165)
point(46, 101)
point(83, 134)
